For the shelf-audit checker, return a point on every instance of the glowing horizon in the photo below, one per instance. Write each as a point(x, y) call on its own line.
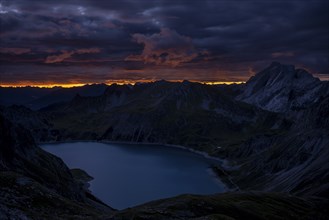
point(118, 82)
point(321, 77)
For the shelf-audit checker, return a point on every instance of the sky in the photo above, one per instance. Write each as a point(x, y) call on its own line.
point(50, 42)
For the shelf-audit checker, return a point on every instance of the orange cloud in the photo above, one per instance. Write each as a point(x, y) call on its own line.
point(167, 47)
point(67, 54)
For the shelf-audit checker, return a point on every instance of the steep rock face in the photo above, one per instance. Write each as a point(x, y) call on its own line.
point(295, 161)
point(315, 117)
point(280, 88)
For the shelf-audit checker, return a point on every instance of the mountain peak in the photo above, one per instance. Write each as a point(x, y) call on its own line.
point(281, 87)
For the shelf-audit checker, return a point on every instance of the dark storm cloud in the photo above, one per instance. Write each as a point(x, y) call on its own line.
point(166, 47)
point(216, 39)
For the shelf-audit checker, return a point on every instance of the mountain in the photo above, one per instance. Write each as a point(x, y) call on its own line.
point(190, 114)
point(280, 88)
point(271, 134)
point(37, 123)
point(275, 149)
point(36, 98)
point(22, 95)
point(294, 161)
point(36, 184)
point(66, 94)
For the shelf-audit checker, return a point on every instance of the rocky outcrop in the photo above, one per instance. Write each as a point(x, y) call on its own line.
point(280, 88)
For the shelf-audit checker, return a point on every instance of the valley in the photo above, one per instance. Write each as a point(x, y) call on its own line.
point(272, 132)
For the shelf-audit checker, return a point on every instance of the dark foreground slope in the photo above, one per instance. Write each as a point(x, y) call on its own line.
point(35, 184)
point(229, 206)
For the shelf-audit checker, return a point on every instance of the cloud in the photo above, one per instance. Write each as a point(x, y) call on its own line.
point(14, 50)
point(167, 47)
point(259, 32)
point(67, 54)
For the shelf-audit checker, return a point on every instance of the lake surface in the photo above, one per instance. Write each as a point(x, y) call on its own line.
point(126, 175)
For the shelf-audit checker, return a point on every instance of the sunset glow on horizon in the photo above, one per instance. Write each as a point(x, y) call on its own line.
point(118, 82)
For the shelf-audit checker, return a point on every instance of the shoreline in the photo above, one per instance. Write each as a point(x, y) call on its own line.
point(202, 153)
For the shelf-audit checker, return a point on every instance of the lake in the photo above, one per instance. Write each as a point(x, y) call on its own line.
point(126, 175)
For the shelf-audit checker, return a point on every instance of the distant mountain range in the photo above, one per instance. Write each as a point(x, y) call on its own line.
point(278, 88)
point(271, 132)
point(36, 98)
